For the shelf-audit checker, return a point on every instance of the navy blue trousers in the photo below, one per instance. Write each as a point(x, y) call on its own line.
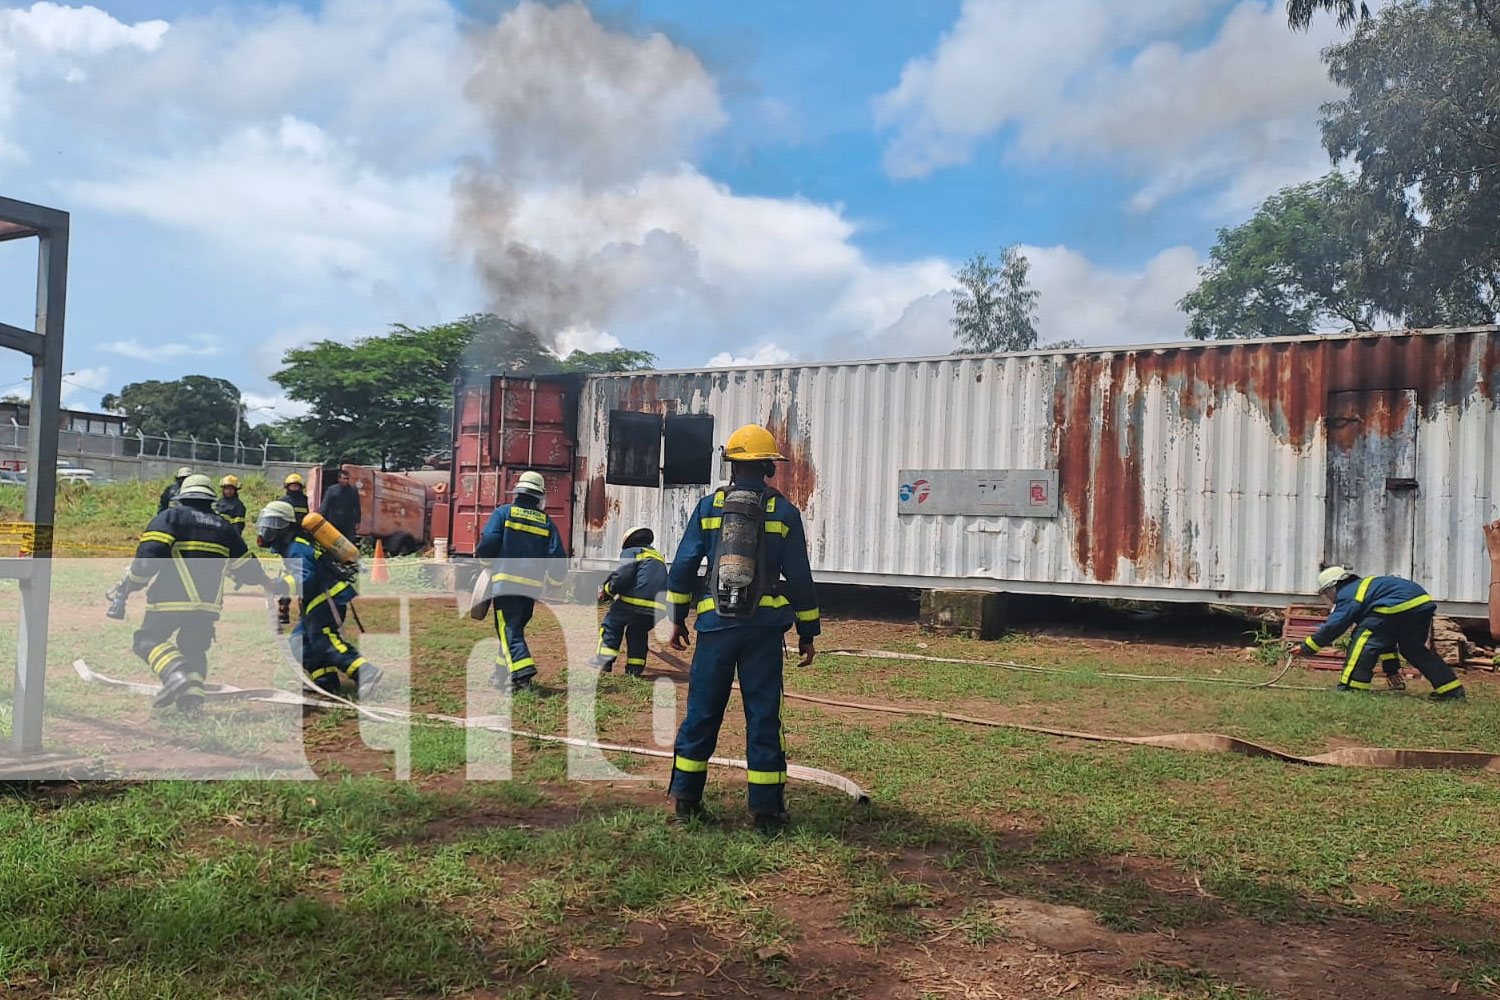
point(633, 625)
point(755, 653)
point(511, 615)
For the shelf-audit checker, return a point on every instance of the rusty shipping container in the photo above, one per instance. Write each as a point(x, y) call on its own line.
point(1224, 472)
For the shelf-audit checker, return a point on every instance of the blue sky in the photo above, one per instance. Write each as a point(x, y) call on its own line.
point(712, 182)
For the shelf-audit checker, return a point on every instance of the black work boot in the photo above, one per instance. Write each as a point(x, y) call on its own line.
point(1455, 695)
point(689, 810)
point(366, 678)
point(771, 823)
point(190, 698)
point(173, 683)
point(604, 666)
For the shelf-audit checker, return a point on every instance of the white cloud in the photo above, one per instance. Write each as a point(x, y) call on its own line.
point(263, 408)
point(83, 389)
point(764, 354)
point(264, 357)
point(201, 346)
point(585, 338)
point(285, 198)
point(1109, 84)
point(1082, 301)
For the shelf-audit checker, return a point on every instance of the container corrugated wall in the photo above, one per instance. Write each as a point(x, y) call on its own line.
point(1186, 473)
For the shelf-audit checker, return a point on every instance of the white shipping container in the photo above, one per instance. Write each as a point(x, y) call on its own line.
point(1225, 472)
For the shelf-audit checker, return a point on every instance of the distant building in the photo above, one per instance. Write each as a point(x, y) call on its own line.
point(82, 421)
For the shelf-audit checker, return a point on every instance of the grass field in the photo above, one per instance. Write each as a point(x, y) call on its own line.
point(991, 863)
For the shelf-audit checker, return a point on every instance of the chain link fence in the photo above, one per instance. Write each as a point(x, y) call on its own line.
point(164, 447)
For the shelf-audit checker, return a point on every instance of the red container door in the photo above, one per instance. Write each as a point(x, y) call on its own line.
point(501, 429)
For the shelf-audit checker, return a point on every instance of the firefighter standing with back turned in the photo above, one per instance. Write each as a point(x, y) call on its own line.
point(635, 589)
point(182, 557)
point(759, 584)
point(295, 497)
point(1388, 613)
point(529, 554)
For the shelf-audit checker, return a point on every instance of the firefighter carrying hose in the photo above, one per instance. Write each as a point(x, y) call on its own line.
point(635, 588)
point(170, 493)
point(325, 588)
point(1388, 613)
point(528, 554)
point(229, 506)
point(182, 557)
point(295, 497)
point(759, 584)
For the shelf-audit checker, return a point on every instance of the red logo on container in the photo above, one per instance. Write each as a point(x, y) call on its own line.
point(1038, 492)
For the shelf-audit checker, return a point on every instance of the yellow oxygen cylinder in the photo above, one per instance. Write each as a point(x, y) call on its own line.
point(332, 540)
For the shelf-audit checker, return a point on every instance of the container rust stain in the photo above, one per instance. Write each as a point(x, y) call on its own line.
point(797, 477)
point(1097, 439)
point(596, 507)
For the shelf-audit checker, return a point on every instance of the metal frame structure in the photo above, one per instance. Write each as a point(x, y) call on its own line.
point(44, 345)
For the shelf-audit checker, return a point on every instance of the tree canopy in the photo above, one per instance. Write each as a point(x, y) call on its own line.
point(994, 305)
point(194, 405)
point(385, 400)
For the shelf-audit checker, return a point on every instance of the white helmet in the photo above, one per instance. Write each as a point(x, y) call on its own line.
point(197, 487)
point(1332, 577)
point(531, 482)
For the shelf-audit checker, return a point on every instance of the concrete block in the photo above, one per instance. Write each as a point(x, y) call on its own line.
point(979, 614)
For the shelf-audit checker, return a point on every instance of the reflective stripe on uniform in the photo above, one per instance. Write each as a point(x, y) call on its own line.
point(1364, 585)
point(719, 498)
point(321, 672)
point(508, 578)
point(158, 536)
point(690, 766)
point(1415, 602)
point(778, 528)
point(1314, 647)
point(522, 664)
point(678, 597)
point(358, 662)
point(184, 606)
point(336, 639)
point(642, 602)
point(529, 528)
point(768, 601)
point(1360, 685)
point(137, 579)
point(811, 615)
point(1362, 637)
point(704, 606)
point(1452, 685)
point(711, 523)
point(634, 662)
point(213, 548)
point(336, 589)
point(766, 777)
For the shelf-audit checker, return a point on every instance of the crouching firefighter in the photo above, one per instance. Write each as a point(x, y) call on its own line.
point(635, 591)
point(528, 554)
point(759, 585)
point(182, 558)
point(325, 590)
point(1388, 613)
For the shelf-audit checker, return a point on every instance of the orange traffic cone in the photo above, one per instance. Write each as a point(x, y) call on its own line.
point(378, 572)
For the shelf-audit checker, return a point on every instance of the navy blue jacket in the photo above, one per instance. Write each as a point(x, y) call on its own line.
point(791, 595)
point(639, 580)
point(1358, 599)
point(183, 555)
point(324, 596)
point(527, 549)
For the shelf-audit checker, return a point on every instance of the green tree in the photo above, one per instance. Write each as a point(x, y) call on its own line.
point(1299, 13)
point(386, 400)
point(194, 405)
point(621, 359)
point(1298, 265)
point(1420, 121)
point(994, 305)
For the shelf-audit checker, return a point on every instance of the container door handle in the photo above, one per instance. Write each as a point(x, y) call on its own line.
point(1400, 485)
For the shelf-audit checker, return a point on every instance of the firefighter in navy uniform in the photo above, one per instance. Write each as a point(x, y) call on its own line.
point(325, 589)
point(182, 558)
point(759, 584)
point(167, 495)
point(635, 589)
point(528, 554)
point(1388, 613)
point(229, 506)
point(295, 497)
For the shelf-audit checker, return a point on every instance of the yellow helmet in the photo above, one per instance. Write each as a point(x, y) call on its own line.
point(752, 443)
point(1332, 576)
point(293, 478)
point(531, 482)
point(230, 481)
